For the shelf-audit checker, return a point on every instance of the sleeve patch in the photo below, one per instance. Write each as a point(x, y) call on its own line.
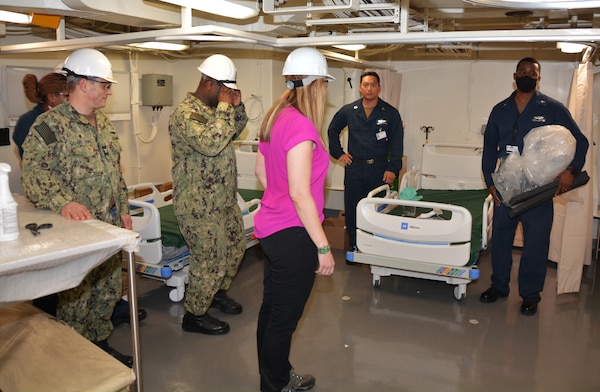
point(46, 133)
point(198, 117)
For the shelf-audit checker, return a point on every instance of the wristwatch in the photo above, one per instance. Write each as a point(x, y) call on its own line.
point(323, 250)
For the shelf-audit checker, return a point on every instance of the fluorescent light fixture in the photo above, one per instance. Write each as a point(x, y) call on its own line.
point(570, 47)
point(161, 46)
point(350, 46)
point(14, 17)
point(232, 9)
point(451, 10)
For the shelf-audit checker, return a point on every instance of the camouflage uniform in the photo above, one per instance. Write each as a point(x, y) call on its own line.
point(204, 195)
point(67, 159)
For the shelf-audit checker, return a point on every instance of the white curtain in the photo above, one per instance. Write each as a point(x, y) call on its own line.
point(391, 85)
point(571, 237)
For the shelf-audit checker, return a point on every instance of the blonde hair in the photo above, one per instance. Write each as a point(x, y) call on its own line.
point(308, 100)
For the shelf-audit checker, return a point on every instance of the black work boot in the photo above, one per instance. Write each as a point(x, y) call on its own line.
point(205, 324)
point(126, 360)
point(121, 313)
point(225, 304)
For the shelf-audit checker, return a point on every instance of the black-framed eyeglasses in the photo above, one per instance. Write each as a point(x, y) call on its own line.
point(106, 85)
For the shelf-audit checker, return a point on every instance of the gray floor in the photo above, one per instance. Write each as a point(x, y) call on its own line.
point(408, 335)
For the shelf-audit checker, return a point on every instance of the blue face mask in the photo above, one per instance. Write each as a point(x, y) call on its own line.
point(525, 83)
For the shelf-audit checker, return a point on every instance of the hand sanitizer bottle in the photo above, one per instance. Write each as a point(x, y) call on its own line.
point(9, 224)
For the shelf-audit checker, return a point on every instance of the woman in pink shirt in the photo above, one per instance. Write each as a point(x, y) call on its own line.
point(291, 164)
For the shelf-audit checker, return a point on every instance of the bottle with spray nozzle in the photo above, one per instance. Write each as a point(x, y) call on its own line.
point(9, 224)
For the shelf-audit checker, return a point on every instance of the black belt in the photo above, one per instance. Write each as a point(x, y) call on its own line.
point(371, 161)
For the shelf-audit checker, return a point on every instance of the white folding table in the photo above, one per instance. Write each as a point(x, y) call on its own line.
point(60, 257)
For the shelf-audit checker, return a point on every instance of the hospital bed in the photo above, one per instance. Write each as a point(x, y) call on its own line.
point(436, 238)
point(163, 254)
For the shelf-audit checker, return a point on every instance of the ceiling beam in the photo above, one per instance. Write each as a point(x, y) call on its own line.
point(384, 38)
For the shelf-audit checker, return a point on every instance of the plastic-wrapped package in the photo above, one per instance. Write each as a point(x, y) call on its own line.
point(509, 179)
point(547, 151)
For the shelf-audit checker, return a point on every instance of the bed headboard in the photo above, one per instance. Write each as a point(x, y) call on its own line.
point(451, 166)
point(245, 155)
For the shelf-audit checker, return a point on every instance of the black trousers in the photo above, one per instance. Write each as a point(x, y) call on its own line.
point(359, 179)
point(537, 224)
point(289, 274)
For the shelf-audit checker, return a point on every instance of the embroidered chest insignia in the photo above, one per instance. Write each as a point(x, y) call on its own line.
point(541, 119)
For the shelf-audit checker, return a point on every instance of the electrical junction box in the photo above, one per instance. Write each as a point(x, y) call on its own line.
point(157, 90)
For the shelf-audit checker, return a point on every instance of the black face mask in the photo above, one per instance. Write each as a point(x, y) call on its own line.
point(525, 83)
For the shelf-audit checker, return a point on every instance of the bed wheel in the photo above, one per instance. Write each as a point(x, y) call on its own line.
point(176, 295)
point(460, 291)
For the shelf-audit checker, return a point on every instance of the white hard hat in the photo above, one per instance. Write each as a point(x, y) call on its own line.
point(305, 61)
point(89, 63)
point(221, 69)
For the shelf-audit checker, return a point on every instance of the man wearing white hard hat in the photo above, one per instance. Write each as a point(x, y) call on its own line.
point(202, 129)
point(71, 165)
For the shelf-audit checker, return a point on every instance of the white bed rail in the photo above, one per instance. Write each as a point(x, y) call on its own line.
point(156, 197)
point(147, 224)
point(412, 178)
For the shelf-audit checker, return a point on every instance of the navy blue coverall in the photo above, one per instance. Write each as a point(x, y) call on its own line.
point(506, 127)
point(376, 145)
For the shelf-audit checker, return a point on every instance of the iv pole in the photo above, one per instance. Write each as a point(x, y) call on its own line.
point(427, 129)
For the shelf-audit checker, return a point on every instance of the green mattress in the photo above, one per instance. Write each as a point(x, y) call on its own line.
point(170, 234)
point(169, 228)
point(250, 194)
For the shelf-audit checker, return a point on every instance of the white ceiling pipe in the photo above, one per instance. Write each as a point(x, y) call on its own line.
point(186, 17)
point(355, 60)
point(129, 38)
point(543, 35)
point(571, 35)
point(61, 30)
point(404, 11)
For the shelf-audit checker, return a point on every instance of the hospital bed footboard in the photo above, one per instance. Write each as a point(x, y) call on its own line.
point(439, 242)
